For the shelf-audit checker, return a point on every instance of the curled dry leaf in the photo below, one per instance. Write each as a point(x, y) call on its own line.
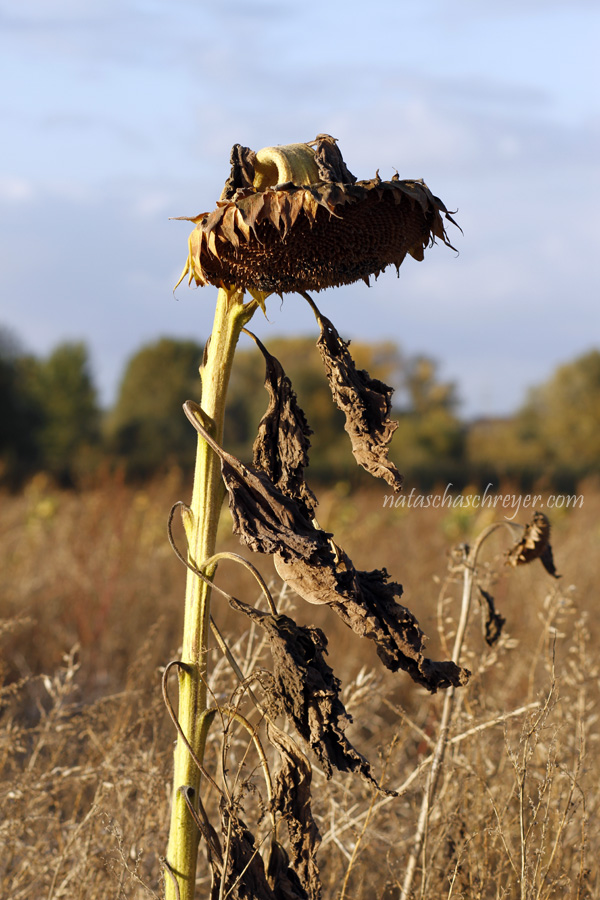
point(244, 876)
point(330, 161)
point(282, 443)
point(241, 867)
point(304, 688)
point(367, 603)
point(292, 801)
point(534, 544)
point(308, 225)
point(366, 403)
point(265, 519)
point(320, 572)
point(284, 880)
point(494, 622)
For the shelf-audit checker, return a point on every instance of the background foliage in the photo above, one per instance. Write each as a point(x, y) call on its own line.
point(51, 421)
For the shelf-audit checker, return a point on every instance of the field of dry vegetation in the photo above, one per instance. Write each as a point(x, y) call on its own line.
point(91, 612)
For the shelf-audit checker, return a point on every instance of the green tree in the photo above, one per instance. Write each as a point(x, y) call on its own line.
point(20, 415)
point(561, 418)
point(68, 429)
point(430, 440)
point(147, 428)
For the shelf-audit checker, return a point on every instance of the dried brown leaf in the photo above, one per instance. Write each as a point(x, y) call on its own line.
point(304, 688)
point(320, 572)
point(265, 519)
point(244, 875)
point(292, 801)
point(367, 603)
point(534, 544)
point(282, 443)
point(283, 879)
point(365, 402)
point(494, 622)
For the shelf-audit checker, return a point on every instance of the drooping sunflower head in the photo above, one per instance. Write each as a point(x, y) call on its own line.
point(294, 218)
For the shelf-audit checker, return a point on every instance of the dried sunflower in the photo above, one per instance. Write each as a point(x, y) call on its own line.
point(295, 219)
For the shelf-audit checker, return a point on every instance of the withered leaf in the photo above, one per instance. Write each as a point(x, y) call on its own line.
point(494, 622)
point(265, 519)
point(285, 882)
point(282, 443)
point(244, 875)
point(366, 403)
point(269, 522)
point(241, 867)
point(367, 603)
point(534, 544)
point(292, 801)
point(242, 171)
point(305, 688)
point(330, 161)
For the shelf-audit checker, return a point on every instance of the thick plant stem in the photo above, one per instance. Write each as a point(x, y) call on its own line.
point(201, 529)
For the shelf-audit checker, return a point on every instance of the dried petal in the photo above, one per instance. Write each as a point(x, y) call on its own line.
point(534, 544)
point(366, 403)
point(242, 171)
point(330, 161)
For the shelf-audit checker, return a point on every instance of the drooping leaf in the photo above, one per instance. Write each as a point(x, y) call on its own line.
point(304, 688)
point(494, 622)
point(534, 544)
point(265, 519)
point(282, 878)
point(292, 801)
point(330, 161)
point(365, 402)
point(367, 603)
point(282, 443)
point(244, 875)
point(320, 572)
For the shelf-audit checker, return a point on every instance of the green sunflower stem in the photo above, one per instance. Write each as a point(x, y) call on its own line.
point(201, 529)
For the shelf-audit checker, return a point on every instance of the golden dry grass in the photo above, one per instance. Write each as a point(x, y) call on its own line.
point(90, 604)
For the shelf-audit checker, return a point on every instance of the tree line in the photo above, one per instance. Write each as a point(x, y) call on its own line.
point(51, 419)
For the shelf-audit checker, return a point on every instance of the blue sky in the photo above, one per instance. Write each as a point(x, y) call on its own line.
point(117, 115)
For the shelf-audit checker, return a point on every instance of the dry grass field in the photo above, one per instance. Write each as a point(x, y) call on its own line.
point(91, 612)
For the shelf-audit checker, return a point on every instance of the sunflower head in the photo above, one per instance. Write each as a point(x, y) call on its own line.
point(294, 218)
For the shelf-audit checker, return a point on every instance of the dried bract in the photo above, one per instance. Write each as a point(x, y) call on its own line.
point(320, 230)
point(534, 544)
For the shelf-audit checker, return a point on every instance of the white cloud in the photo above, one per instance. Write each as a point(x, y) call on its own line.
point(16, 190)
